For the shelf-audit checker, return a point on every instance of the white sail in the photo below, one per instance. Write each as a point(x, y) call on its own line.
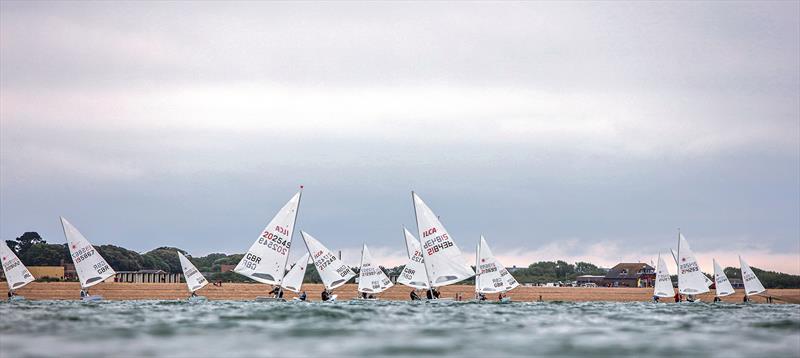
point(90, 266)
point(752, 285)
point(723, 286)
point(705, 278)
point(266, 259)
point(413, 274)
point(194, 279)
point(332, 271)
point(17, 275)
point(444, 264)
point(294, 278)
point(690, 279)
point(371, 279)
point(663, 286)
point(491, 275)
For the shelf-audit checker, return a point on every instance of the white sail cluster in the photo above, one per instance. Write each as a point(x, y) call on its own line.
point(293, 279)
point(413, 274)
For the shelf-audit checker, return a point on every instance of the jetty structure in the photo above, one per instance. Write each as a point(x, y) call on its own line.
point(89, 265)
point(268, 256)
point(17, 275)
point(444, 264)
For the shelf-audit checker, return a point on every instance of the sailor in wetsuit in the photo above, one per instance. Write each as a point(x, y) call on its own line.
point(414, 296)
point(325, 295)
point(303, 296)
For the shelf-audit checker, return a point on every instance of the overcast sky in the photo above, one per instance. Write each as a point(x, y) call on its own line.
point(577, 131)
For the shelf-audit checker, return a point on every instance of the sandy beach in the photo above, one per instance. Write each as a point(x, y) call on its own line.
point(247, 291)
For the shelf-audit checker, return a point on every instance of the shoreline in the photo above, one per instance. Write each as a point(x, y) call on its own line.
point(249, 291)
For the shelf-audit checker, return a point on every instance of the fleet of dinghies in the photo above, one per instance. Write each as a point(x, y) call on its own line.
point(434, 261)
point(692, 281)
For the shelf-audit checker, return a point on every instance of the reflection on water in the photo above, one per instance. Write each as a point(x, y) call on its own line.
point(228, 328)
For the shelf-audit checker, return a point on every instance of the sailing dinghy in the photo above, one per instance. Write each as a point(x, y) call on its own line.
point(663, 286)
point(17, 275)
point(267, 258)
point(491, 276)
point(723, 286)
point(444, 264)
point(371, 278)
point(413, 274)
point(90, 266)
point(194, 279)
point(331, 269)
point(293, 280)
point(705, 278)
point(691, 281)
point(752, 285)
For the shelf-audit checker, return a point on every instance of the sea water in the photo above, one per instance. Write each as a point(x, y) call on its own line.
point(247, 329)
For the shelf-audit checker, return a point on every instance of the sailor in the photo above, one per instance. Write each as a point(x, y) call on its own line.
point(655, 298)
point(435, 293)
point(717, 299)
point(303, 296)
point(194, 294)
point(364, 295)
point(325, 295)
point(414, 296)
point(10, 293)
point(275, 291)
point(745, 299)
point(689, 298)
point(429, 294)
point(481, 296)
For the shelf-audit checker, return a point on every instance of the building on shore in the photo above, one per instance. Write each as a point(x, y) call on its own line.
point(630, 275)
point(587, 279)
point(147, 276)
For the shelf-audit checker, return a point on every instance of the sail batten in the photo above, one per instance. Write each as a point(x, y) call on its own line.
point(266, 260)
point(89, 265)
point(331, 269)
point(17, 275)
point(444, 264)
point(491, 275)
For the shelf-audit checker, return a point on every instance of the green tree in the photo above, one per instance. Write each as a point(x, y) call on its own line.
point(26, 241)
point(167, 256)
point(121, 259)
point(42, 254)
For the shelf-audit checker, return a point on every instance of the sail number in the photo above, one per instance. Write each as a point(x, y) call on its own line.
point(275, 242)
point(101, 267)
point(438, 243)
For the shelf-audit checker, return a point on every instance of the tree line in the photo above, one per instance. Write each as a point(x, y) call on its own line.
point(33, 250)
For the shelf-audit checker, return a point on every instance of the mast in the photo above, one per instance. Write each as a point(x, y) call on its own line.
point(408, 253)
point(361, 265)
point(477, 267)
point(416, 219)
point(678, 261)
point(294, 226)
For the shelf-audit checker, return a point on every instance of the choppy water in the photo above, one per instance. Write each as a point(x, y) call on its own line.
point(246, 329)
